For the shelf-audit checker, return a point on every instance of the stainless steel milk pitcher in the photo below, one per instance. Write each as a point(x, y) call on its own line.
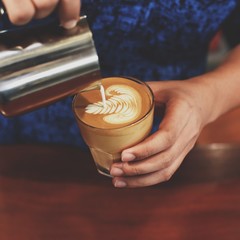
point(40, 66)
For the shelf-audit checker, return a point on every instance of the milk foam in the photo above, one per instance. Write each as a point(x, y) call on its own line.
point(102, 91)
point(123, 105)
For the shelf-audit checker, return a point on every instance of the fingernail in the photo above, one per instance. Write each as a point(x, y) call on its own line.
point(127, 157)
point(120, 184)
point(70, 24)
point(116, 172)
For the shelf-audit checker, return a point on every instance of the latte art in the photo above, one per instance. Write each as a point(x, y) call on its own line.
point(126, 102)
point(122, 105)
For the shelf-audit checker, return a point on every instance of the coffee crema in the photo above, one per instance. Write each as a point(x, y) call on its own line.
point(124, 104)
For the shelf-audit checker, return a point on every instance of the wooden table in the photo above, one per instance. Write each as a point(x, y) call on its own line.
point(55, 193)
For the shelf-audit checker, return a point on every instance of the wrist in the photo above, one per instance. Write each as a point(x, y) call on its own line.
point(210, 107)
point(221, 87)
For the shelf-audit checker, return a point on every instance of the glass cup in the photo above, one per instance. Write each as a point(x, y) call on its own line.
point(106, 145)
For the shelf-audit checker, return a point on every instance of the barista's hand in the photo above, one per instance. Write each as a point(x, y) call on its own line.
point(22, 11)
point(188, 107)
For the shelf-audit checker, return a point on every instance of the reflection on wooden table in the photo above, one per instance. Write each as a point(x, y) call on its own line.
point(55, 192)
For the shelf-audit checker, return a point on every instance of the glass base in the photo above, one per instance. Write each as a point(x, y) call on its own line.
point(103, 171)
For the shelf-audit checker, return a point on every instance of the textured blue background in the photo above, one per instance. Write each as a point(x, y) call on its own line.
point(149, 40)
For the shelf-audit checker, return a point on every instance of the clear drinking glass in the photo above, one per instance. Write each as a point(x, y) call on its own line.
point(106, 145)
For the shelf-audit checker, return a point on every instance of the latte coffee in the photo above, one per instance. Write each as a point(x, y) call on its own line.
point(122, 120)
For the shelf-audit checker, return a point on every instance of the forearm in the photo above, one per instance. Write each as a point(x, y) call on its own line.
point(224, 84)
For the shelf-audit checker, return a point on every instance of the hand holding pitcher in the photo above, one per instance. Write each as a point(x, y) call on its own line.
point(22, 12)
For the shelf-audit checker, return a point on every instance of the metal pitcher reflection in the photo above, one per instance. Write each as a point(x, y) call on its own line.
point(39, 66)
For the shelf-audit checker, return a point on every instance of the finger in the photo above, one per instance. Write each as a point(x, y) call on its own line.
point(155, 86)
point(157, 142)
point(19, 11)
point(69, 11)
point(159, 87)
point(176, 118)
point(44, 7)
point(154, 178)
point(154, 163)
point(146, 166)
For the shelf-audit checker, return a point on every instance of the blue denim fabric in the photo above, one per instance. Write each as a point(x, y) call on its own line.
point(149, 40)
